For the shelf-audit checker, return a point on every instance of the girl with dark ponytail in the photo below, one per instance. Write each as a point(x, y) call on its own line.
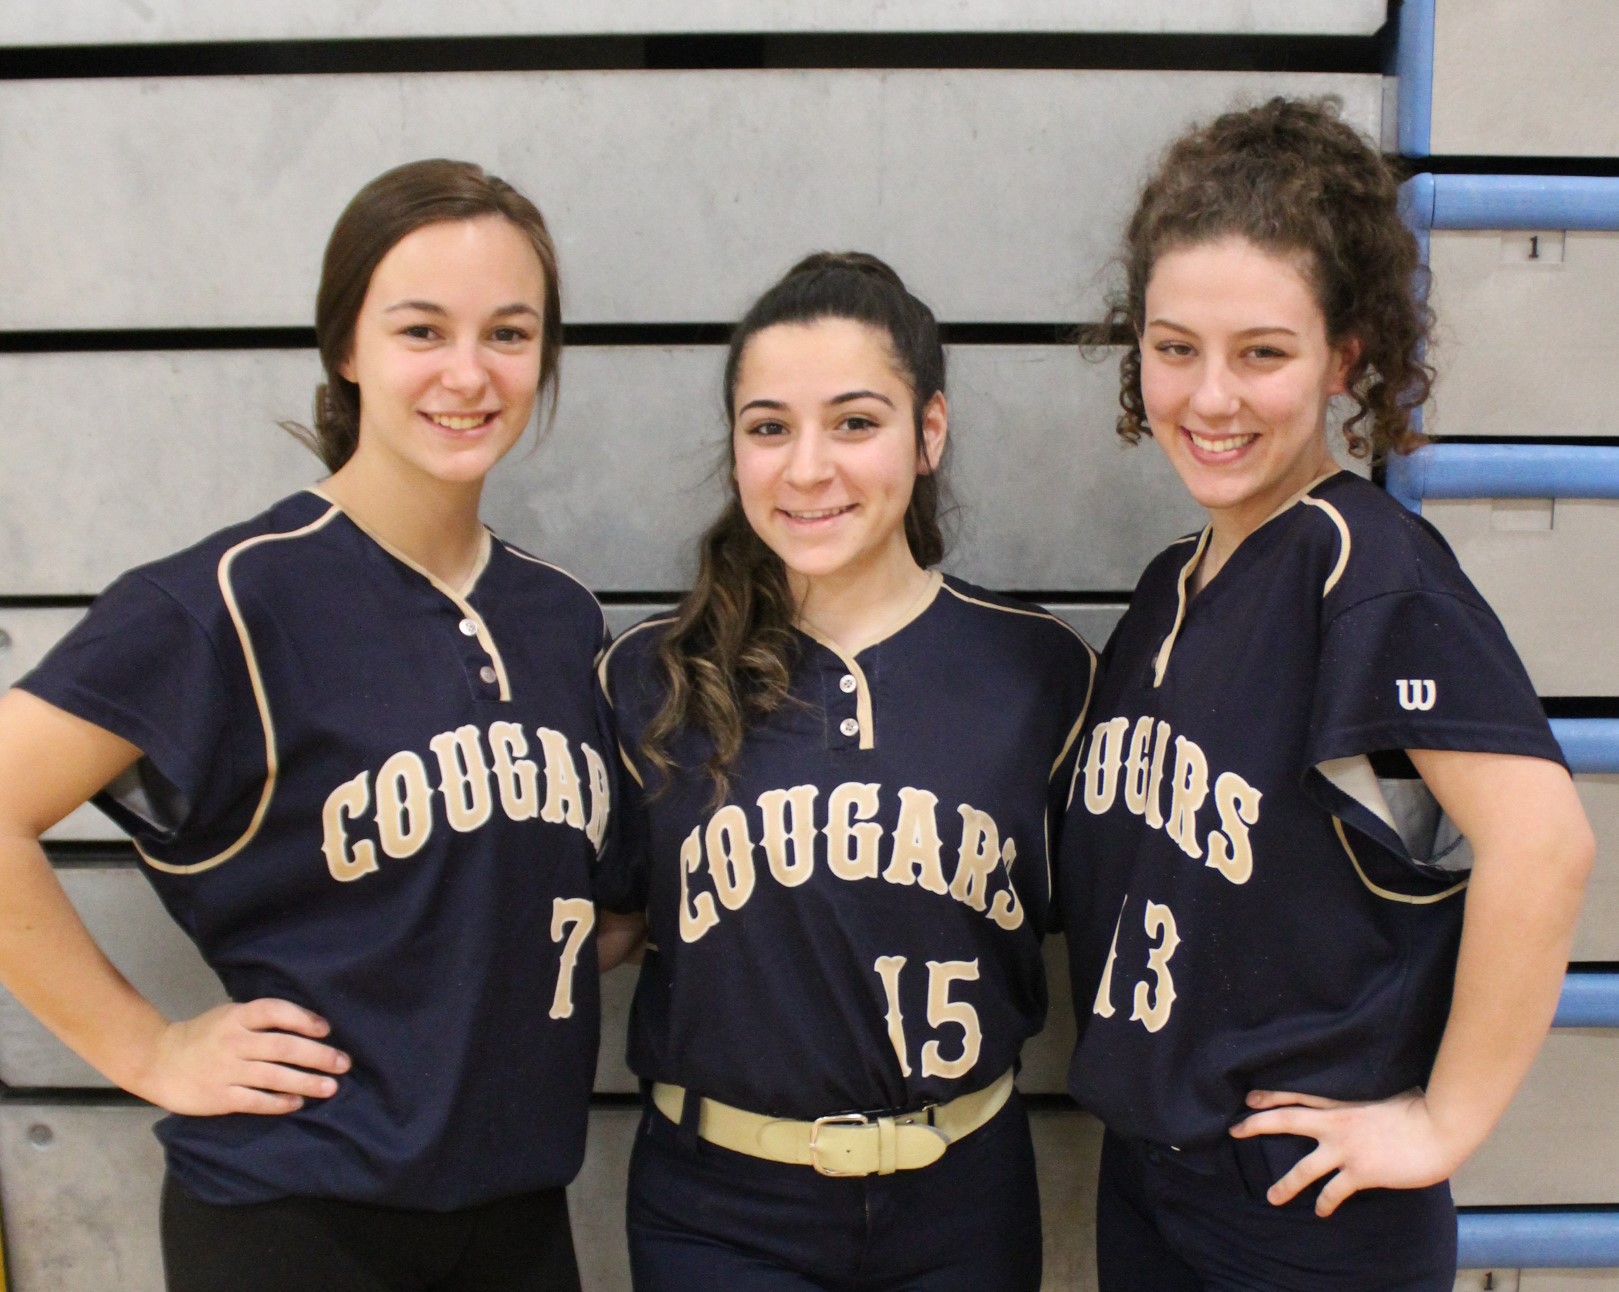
point(839, 771)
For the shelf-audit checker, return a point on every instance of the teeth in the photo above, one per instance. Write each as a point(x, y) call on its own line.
point(1221, 445)
point(451, 422)
point(817, 515)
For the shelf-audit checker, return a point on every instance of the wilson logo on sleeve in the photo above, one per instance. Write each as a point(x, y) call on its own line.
point(1417, 693)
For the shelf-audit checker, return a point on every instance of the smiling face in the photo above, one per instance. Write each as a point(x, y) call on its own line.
point(825, 449)
point(446, 351)
point(1236, 374)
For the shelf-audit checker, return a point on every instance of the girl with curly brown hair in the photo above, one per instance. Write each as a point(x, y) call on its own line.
point(1310, 739)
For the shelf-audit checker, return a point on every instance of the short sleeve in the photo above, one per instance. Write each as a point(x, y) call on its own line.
point(140, 666)
point(1423, 670)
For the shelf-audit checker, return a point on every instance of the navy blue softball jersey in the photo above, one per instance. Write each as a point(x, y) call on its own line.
point(858, 925)
point(380, 798)
point(1258, 891)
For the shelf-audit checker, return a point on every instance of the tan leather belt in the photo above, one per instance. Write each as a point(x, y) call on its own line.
point(845, 1143)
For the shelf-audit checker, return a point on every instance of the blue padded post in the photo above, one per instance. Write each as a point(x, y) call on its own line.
point(1416, 208)
point(1413, 64)
point(1538, 1239)
point(1523, 201)
point(1588, 1000)
point(1459, 470)
point(1591, 745)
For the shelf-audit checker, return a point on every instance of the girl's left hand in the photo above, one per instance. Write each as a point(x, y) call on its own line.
point(1391, 1144)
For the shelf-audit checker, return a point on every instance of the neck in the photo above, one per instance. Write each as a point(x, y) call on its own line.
point(856, 610)
point(432, 522)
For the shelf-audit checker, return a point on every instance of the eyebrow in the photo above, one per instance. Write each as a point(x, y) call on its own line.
point(849, 396)
point(1250, 331)
point(432, 307)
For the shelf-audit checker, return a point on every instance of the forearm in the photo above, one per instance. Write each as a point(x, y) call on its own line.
point(52, 965)
point(1521, 909)
point(620, 939)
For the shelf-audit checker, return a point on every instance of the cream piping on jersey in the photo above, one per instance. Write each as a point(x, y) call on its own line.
point(601, 678)
point(1389, 894)
point(456, 595)
point(272, 763)
point(1343, 542)
point(911, 613)
point(1162, 662)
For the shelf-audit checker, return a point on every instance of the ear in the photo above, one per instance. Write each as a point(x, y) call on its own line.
point(345, 370)
point(935, 430)
point(1347, 360)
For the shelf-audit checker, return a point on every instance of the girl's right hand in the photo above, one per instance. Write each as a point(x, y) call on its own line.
point(261, 1057)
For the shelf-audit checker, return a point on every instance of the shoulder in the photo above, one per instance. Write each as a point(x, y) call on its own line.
point(193, 580)
point(1165, 568)
point(628, 669)
point(994, 617)
point(568, 602)
point(1370, 545)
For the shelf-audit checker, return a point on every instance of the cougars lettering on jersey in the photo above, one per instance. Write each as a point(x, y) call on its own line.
point(787, 825)
point(1141, 760)
point(476, 771)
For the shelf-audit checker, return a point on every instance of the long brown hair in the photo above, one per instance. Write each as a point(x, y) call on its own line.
point(727, 658)
point(395, 204)
point(1290, 177)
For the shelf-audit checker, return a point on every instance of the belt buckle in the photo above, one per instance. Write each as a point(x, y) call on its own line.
point(834, 1119)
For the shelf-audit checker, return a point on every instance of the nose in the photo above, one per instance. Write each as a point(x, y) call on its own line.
point(464, 373)
point(1215, 397)
point(808, 463)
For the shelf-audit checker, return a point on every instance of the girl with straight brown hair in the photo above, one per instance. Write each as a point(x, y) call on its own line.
point(355, 742)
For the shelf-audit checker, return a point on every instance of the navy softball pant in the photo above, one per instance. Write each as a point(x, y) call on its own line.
point(706, 1219)
point(1168, 1221)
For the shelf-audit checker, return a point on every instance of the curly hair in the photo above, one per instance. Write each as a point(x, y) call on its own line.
point(727, 658)
point(1292, 178)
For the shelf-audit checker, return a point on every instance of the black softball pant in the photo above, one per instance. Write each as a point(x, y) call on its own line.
point(517, 1244)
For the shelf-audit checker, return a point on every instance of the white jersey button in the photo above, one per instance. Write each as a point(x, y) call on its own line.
point(469, 628)
point(849, 727)
point(846, 683)
point(487, 673)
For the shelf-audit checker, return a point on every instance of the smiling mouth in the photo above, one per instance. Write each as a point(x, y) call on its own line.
point(459, 421)
point(1222, 443)
point(824, 513)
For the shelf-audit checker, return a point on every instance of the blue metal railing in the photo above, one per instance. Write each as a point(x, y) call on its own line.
point(1458, 470)
point(1588, 202)
point(1538, 1239)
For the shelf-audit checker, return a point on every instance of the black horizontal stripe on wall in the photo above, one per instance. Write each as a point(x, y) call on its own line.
point(1580, 706)
point(80, 341)
point(1464, 165)
point(1075, 51)
point(1589, 441)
